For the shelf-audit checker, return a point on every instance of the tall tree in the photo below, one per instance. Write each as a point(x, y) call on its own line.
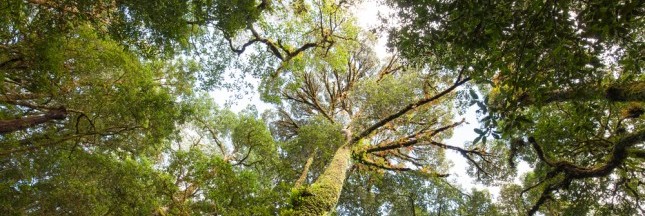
point(563, 84)
point(80, 104)
point(98, 105)
point(340, 108)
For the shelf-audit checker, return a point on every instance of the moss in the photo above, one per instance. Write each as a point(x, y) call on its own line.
point(626, 92)
point(633, 110)
point(321, 197)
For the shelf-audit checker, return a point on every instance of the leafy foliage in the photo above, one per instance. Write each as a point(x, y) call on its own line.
point(103, 109)
point(556, 76)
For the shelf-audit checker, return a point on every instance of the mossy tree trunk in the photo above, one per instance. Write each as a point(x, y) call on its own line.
point(321, 197)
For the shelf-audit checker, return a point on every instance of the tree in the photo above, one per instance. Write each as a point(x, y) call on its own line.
point(77, 108)
point(101, 111)
point(94, 90)
point(385, 124)
point(338, 108)
point(563, 84)
point(338, 105)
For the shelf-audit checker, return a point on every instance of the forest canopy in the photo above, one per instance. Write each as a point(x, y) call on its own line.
point(108, 107)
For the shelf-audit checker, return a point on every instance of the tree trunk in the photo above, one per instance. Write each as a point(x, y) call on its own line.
point(305, 170)
point(321, 197)
point(8, 126)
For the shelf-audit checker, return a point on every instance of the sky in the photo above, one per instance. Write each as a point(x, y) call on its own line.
point(367, 17)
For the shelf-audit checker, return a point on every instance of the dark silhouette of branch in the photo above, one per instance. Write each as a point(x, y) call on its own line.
point(571, 171)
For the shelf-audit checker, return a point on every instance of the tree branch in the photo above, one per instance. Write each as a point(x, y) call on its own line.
point(413, 139)
point(382, 166)
point(8, 126)
point(406, 109)
point(571, 171)
point(305, 170)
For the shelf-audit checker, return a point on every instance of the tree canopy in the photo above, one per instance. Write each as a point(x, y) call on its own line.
point(563, 85)
point(107, 108)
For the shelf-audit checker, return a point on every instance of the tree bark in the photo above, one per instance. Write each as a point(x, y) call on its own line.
point(629, 92)
point(305, 170)
point(626, 92)
point(321, 197)
point(8, 126)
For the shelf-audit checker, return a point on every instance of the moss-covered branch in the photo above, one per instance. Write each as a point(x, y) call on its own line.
point(408, 108)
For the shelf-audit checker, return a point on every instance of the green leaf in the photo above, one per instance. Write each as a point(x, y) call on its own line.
point(478, 131)
point(496, 136)
point(477, 139)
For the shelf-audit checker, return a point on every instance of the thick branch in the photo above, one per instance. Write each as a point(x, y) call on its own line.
point(617, 156)
point(411, 140)
point(383, 166)
point(406, 109)
point(617, 93)
point(305, 170)
point(8, 126)
point(571, 171)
